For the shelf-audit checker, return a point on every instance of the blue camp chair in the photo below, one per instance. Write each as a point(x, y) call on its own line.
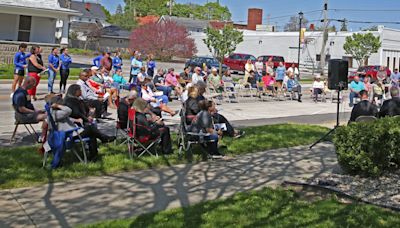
point(61, 141)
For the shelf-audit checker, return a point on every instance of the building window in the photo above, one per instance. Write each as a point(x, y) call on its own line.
point(327, 57)
point(24, 28)
point(387, 62)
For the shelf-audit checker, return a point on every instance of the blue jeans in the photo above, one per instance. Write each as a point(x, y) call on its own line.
point(165, 89)
point(352, 96)
point(163, 98)
point(50, 82)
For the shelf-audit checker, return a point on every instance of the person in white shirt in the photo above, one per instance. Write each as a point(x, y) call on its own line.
point(156, 101)
point(196, 76)
point(259, 65)
point(247, 69)
point(90, 97)
point(318, 87)
point(293, 69)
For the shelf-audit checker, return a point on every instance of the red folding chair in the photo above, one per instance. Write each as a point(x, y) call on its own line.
point(139, 145)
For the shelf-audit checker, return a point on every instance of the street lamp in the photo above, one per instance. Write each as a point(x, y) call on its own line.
point(301, 14)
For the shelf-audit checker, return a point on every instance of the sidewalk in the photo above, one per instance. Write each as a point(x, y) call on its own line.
point(128, 194)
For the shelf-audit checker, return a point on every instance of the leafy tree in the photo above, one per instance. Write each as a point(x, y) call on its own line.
point(343, 27)
point(361, 46)
point(222, 42)
point(211, 10)
point(163, 40)
point(293, 24)
point(107, 13)
point(147, 7)
point(372, 28)
point(126, 20)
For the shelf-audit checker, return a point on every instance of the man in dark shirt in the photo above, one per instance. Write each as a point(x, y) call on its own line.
point(25, 112)
point(391, 107)
point(124, 106)
point(363, 108)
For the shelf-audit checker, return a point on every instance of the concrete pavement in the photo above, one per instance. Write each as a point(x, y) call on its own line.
point(128, 194)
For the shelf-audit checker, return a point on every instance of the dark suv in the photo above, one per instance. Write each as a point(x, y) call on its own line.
point(199, 61)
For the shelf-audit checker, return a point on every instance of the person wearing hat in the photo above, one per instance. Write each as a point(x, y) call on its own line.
point(318, 87)
point(152, 126)
point(214, 80)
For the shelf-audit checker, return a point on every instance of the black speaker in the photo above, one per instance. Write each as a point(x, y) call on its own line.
point(338, 70)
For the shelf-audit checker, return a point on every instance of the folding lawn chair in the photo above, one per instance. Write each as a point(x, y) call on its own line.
point(186, 138)
point(74, 143)
point(141, 144)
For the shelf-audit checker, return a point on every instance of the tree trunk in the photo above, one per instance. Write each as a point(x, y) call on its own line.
point(220, 66)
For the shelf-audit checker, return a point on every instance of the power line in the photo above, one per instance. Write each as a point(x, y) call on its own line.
point(367, 10)
point(367, 22)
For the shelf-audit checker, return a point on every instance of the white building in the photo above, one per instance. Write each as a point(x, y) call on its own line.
point(33, 21)
point(286, 44)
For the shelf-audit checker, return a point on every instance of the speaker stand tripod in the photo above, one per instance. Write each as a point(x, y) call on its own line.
point(340, 87)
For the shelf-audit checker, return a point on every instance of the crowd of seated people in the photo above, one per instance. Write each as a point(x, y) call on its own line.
point(365, 107)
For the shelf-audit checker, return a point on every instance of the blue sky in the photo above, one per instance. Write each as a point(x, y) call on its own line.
point(278, 8)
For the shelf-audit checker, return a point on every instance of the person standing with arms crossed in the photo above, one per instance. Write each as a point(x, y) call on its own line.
point(35, 67)
point(54, 67)
point(20, 65)
point(66, 60)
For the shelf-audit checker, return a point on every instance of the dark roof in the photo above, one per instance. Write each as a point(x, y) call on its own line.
point(115, 31)
point(189, 23)
point(95, 11)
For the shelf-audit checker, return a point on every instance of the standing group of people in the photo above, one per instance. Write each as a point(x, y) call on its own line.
point(32, 64)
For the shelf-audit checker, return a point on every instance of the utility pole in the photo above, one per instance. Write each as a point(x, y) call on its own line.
point(325, 39)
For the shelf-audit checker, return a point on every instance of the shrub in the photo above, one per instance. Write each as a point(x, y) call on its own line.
point(369, 149)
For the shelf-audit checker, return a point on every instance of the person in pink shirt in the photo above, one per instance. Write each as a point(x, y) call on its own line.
point(172, 81)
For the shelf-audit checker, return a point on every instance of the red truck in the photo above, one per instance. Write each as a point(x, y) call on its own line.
point(368, 71)
point(276, 59)
point(237, 61)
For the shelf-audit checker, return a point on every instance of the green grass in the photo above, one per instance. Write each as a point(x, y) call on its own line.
point(264, 208)
point(7, 72)
point(78, 51)
point(21, 166)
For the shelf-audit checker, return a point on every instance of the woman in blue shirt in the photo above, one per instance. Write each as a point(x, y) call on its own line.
point(66, 60)
point(151, 65)
point(20, 65)
point(117, 61)
point(54, 67)
point(280, 74)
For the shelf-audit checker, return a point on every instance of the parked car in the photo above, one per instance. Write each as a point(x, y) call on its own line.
point(276, 59)
point(199, 61)
point(237, 61)
point(371, 71)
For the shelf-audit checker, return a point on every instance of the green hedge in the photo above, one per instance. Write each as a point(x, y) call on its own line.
point(369, 149)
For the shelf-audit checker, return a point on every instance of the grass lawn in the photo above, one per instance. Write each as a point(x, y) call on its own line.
point(265, 208)
point(7, 72)
point(21, 166)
